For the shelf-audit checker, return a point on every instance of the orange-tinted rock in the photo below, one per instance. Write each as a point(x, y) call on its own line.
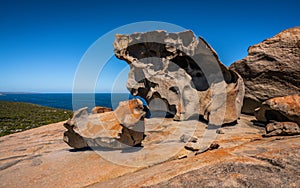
point(244, 159)
point(39, 158)
point(285, 108)
point(271, 69)
point(100, 109)
point(120, 128)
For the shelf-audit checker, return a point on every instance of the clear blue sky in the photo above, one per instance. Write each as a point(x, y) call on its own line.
point(43, 41)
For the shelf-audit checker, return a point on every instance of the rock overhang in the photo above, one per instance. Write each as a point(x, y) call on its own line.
point(182, 71)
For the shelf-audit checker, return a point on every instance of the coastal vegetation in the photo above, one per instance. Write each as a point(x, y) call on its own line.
point(20, 116)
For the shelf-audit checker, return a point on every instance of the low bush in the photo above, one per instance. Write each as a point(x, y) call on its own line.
point(19, 116)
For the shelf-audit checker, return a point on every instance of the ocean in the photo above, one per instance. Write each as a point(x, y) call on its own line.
point(68, 101)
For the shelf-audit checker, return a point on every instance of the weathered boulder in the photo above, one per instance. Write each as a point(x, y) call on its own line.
point(116, 129)
point(100, 109)
point(285, 108)
point(282, 129)
point(181, 74)
point(271, 69)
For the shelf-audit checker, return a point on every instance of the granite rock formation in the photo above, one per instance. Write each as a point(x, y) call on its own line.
point(39, 158)
point(116, 129)
point(182, 74)
point(271, 69)
point(244, 159)
point(285, 108)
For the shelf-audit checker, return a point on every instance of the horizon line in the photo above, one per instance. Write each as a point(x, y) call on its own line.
point(25, 92)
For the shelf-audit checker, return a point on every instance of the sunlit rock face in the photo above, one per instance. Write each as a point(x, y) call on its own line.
point(181, 74)
point(113, 129)
point(271, 69)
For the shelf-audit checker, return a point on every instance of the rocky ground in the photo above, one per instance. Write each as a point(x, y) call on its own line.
point(40, 158)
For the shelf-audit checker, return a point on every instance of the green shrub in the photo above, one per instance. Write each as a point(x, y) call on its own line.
point(19, 116)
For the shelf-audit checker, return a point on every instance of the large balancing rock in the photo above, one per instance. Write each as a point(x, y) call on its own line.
point(182, 73)
point(116, 129)
point(271, 69)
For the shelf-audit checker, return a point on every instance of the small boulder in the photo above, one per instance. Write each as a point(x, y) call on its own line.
point(193, 146)
point(186, 138)
point(282, 129)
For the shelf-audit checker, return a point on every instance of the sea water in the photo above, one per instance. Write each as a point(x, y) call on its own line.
point(68, 101)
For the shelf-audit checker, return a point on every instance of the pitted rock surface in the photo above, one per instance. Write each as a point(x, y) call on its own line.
point(181, 74)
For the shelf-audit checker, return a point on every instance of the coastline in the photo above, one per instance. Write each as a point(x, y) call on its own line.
point(66, 100)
